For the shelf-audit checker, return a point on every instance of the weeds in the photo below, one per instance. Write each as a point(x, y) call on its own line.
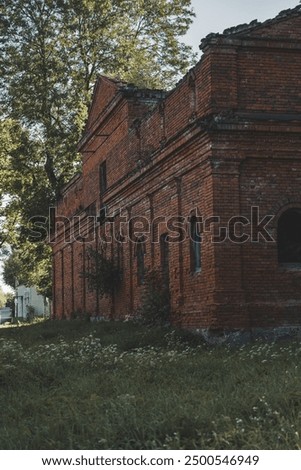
point(74, 385)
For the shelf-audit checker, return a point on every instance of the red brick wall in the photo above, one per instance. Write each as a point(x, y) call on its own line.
point(269, 81)
point(225, 140)
point(285, 28)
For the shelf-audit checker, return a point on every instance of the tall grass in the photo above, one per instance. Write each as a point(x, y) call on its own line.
point(75, 385)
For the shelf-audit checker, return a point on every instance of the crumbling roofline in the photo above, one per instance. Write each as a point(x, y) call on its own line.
point(246, 28)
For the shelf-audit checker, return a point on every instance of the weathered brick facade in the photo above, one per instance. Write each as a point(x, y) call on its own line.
point(226, 142)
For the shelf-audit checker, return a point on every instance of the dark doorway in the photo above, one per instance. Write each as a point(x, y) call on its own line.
point(289, 236)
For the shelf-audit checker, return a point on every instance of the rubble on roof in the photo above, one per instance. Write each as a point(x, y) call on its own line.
point(248, 27)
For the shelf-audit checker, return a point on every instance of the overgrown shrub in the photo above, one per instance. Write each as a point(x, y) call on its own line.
point(30, 313)
point(155, 303)
point(102, 273)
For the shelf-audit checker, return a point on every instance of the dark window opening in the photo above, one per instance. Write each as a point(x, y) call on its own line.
point(102, 177)
point(164, 248)
point(140, 253)
point(91, 209)
point(289, 236)
point(195, 245)
point(89, 271)
point(102, 214)
point(120, 241)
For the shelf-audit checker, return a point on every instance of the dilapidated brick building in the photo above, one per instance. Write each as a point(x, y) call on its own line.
point(203, 181)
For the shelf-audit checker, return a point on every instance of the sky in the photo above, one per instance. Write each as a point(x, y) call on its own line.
point(213, 16)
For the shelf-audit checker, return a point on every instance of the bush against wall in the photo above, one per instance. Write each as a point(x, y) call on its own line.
point(102, 274)
point(155, 302)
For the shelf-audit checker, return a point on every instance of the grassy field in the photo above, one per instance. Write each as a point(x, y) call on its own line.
point(77, 385)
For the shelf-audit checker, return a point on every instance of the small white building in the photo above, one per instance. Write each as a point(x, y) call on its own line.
point(27, 297)
point(5, 314)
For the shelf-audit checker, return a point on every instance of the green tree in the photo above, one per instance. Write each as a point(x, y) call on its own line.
point(30, 266)
point(9, 142)
point(10, 301)
point(3, 298)
point(20, 174)
point(51, 52)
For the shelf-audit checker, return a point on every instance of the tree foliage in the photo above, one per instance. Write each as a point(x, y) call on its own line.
point(25, 192)
point(3, 298)
point(29, 266)
point(51, 52)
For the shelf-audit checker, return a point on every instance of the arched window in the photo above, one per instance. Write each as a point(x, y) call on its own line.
point(289, 236)
point(195, 245)
point(140, 253)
